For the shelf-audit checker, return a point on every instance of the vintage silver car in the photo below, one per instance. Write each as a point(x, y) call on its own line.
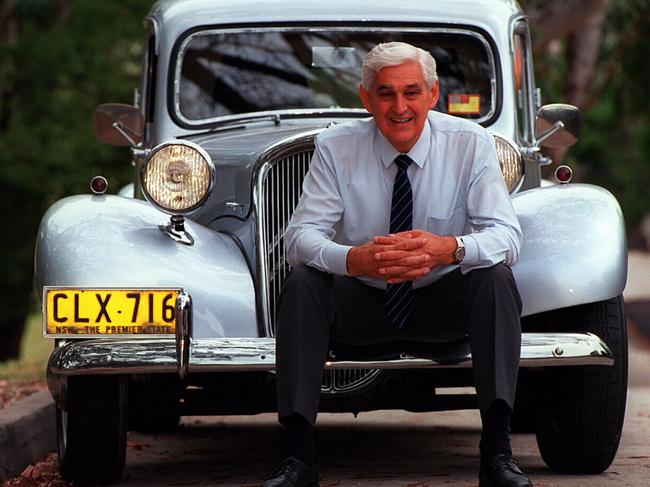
point(161, 299)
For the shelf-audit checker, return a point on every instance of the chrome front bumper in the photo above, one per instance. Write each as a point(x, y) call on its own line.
point(141, 356)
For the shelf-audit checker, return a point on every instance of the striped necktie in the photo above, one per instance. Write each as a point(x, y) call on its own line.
point(399, 296)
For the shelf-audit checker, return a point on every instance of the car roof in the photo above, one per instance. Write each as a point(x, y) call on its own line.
point(178, 16)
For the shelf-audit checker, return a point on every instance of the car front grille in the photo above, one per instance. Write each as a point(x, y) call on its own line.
point(282, 190)
point(280, 180)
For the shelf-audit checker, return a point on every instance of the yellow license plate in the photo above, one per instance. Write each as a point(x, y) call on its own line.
point(101, 312)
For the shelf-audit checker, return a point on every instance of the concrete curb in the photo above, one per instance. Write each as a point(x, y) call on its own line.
point(27, 433)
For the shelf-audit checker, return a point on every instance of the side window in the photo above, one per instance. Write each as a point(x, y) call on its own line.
point(523, 81)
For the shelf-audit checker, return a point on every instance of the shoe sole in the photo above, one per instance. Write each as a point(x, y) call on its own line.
point(483, 482)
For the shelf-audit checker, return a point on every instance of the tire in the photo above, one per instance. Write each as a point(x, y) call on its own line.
point(524, 420)
point(92, 429)
point(581, 419)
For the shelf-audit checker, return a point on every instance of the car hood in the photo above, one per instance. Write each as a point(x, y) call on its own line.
point(236, 153)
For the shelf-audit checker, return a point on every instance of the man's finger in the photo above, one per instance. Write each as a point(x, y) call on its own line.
point(406, 270)
point(409, 233)
point(409, 275)
point(410, 244)
point(401, 258)
point(387, 239)
point(394, 270)
point(388, 255)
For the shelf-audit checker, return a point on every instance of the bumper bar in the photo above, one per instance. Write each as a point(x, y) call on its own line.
point(141, 356)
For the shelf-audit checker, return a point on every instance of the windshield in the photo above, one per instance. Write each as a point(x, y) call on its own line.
point(222, 73)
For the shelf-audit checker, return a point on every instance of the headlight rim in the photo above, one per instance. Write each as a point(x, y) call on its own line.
point(512, 144)
point(150, 156)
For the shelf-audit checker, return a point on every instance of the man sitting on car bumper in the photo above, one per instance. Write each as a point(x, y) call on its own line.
point(404, 230)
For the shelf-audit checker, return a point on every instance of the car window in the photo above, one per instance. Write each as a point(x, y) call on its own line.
point(221, 73)
point(524, 84)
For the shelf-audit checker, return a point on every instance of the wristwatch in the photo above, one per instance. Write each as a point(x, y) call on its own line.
point(459, 253)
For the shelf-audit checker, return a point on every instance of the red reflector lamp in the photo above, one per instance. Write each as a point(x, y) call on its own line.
point(98, 185)
point(563, 174)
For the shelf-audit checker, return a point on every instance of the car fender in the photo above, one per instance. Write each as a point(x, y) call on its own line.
point(574, 248)
point(112, 241)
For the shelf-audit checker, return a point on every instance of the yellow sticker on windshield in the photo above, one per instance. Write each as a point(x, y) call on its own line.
point(459, 104)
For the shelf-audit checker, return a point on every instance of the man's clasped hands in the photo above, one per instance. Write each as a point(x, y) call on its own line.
point(400, 257)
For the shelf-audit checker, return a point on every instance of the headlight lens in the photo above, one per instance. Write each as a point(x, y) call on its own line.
point(511, 163)
point(177, 176)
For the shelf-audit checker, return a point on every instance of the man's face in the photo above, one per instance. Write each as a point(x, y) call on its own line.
point(399, 102)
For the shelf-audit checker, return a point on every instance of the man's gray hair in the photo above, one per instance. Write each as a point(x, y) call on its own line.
point(394, 54)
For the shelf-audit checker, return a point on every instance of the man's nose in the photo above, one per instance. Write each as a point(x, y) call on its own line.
point(400, 104)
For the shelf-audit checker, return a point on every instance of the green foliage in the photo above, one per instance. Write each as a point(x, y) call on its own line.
point(51, 78)
point(60, 73)
point(614, 146)
point(34, 353)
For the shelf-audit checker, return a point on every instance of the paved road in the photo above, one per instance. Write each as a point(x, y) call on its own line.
point(378, 449)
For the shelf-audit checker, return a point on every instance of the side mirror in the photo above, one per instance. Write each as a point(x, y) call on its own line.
point(557, 125)
point(118, 124)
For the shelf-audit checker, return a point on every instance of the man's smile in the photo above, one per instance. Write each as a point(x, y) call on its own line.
point(401, 120)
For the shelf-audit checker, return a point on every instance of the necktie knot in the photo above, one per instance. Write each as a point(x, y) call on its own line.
point(403, 161)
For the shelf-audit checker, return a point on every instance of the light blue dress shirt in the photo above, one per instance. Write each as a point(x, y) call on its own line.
point(458, 189)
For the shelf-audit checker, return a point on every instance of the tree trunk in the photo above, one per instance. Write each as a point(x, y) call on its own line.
point(582, 55)
point(581, 23)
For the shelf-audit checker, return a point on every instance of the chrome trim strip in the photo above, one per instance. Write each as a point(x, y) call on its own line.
point(105, 356)
point(156, 32)
point(183, 48)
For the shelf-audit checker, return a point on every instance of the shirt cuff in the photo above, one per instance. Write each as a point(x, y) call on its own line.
point(471, 250)
point(336, 258)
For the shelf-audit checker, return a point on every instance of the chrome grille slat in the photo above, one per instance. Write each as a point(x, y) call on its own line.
point(281, 198)
point(281, 187)
point(347, 380)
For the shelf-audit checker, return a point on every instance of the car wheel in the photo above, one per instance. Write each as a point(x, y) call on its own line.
point(581, 417)
point(524, 420)
point(92, 429)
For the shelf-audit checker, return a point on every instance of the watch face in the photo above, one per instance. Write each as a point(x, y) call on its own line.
point(459, 254)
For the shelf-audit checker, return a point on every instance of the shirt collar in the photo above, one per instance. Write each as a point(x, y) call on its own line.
point(418, 152)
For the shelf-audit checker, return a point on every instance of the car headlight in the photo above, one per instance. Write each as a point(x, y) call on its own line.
point(177, 176)
point(510, 161)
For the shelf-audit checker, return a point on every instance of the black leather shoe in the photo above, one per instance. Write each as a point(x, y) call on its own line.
point(293, 472)
point(502, 471)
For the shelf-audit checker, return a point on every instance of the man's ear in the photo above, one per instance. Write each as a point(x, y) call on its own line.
point(435, 94)
point(365, 98)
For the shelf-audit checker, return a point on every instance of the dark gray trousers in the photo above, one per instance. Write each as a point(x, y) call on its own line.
point(315, 306)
